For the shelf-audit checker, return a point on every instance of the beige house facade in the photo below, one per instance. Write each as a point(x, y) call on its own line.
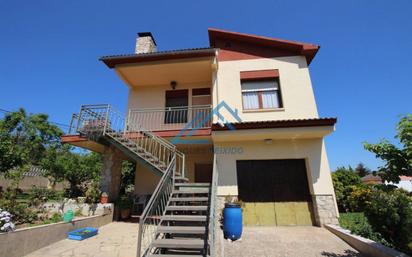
point(243, 107)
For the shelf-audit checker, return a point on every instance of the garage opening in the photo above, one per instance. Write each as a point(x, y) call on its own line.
point(274, 192)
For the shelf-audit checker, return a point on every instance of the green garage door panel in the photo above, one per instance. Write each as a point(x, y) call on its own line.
point(274, 192)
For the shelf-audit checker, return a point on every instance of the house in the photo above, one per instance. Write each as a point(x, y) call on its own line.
point(371, 179)
point(240, 114)
point(405, 182)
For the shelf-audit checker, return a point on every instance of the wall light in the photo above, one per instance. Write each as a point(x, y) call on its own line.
point(173, 84)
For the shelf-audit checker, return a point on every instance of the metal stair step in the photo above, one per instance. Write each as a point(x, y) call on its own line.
point(192, 191)
point(181, 230)
point(192, 184)
point(186, 208)
point(178, 178)
point(189, 199)
point(174, 255)
point(184, 218)
point(179, 243)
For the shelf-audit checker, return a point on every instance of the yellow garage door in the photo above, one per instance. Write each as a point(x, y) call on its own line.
point(274, 192)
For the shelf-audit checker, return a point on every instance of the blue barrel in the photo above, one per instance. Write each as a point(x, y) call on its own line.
point(232, 221)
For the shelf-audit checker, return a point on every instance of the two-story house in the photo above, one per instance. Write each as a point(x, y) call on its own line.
point(240, 113)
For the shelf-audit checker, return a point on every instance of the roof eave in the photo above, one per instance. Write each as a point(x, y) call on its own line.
point(112, 61)
point(306, 49)
point(320, 122)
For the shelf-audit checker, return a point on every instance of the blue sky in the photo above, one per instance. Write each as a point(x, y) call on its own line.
point(362, 74)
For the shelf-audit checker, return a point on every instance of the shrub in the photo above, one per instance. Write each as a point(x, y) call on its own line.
point(343, 180)
point(358, 224)
point(358, 197)
point(39, 195)
point(93, 192)
point(390, 214)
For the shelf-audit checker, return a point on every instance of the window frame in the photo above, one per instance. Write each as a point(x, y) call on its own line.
point(260, 94)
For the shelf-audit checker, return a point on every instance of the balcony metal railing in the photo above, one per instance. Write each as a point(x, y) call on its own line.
point(172, 118)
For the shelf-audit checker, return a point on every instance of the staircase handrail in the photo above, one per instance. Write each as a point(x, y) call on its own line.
point(155, 208)
point(213, 220)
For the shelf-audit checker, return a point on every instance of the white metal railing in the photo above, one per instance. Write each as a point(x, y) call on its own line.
point(98, 120)
point(154, 210)
point(172, 118)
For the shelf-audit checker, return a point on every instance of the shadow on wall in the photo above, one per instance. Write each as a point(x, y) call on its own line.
point(348, 253)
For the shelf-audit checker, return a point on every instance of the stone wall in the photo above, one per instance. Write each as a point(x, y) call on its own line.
point(111, 172)
point(84, 208)
point(324, 210)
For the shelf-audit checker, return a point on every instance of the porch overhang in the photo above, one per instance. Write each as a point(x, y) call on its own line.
point(160, 68)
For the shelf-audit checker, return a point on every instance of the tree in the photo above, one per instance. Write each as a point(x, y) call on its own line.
point(362, 170)
point(62, 164)
point(398, 160)
point(343, 180)
point(390, 214)
point(128, 176)
point(24, 139)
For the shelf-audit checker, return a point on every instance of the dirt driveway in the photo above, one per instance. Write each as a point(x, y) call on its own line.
point(287, 242)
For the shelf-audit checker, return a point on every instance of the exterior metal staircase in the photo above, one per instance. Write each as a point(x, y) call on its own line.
point(179, 219)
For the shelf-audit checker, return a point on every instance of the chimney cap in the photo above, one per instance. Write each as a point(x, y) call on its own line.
point(147, 34)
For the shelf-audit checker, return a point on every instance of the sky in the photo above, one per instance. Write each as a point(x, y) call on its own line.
point(49, 54)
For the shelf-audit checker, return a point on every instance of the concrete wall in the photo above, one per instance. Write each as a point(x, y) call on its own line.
point(155, 96)
point(28, 182)
point(295, 84)
point(24, 241)
point(312, 150)
point(366, 247)
point(146, 180)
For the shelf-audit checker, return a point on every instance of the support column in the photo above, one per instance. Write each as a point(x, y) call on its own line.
point(111, 173)
point(324, 210)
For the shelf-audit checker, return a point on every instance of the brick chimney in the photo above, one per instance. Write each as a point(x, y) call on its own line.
point(145, 43)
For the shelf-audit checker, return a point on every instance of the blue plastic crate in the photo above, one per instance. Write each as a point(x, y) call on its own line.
point(82, 233)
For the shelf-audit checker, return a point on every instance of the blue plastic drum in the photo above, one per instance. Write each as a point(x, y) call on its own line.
point(232, 221)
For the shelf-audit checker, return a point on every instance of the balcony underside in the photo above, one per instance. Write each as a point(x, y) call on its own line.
point(79, 141)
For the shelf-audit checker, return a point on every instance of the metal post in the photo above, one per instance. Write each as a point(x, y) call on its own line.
point(107, 119)
point(79, 119)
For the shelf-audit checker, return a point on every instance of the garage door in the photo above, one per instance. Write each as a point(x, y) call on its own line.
point(274, 192)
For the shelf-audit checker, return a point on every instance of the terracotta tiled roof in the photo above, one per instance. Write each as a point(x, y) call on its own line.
point(371, 177)
point(278, 124)
point(34, 172)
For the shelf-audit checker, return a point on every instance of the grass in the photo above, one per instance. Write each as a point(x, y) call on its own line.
point(351, 219)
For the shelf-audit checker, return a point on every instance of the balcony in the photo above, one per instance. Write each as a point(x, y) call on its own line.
point(172, 118)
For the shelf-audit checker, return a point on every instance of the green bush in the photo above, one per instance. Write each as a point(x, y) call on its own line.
point(343, 181)
point(39, 195)
point(93, 192)
point(359, 196)
point(20, 211)
point(390, 214)
point(358, 224)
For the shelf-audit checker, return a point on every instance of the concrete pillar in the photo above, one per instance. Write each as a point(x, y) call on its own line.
point(111, 173)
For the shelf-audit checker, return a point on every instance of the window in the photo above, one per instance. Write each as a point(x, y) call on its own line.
point(262, 94)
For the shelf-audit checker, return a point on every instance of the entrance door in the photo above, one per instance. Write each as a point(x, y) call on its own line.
point(203, 172)
point(274, 192)
point(176, 106)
